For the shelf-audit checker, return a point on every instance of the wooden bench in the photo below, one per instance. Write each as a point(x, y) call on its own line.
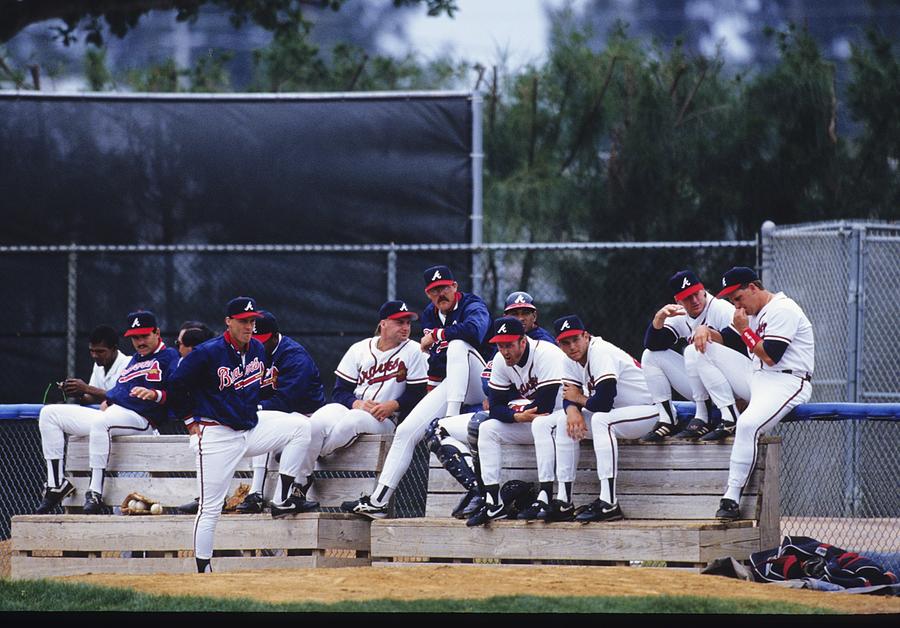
point(669, 493)
point(163, 468)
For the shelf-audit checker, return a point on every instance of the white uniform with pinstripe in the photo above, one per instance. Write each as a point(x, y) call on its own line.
point(773, 392)
point(632, 415)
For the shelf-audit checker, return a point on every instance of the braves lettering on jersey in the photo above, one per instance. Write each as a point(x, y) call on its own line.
point(607, 361)
point(150, 371)
point(292, 383)
point(781, 319)
point(382, 375)
point(544, 365)
point(216, 381)
point(469, 321)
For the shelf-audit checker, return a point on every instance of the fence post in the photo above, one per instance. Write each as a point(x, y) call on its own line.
point(392, 273)
point(477, 202)
point(767, 254)
point(72, 312)
point(855, 273)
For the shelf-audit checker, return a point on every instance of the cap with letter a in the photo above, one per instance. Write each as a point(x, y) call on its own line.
point(140, 323)
point(242, 307)
point(684, 283)
point(438, 276)
point(265, 326)
point(567, 326)
point(519, 301)
point(395, 310)
point(735, 278)
point(507, 329)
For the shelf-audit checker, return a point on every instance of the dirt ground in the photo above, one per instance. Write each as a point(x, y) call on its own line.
point(466, 581)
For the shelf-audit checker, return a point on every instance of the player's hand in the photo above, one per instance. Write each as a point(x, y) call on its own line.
point(740, 320)
point(665, 312)
point(526, 416)
point(194, 429)
point(426, 342)
point(385, 409)
point(575, 426)
point(147, 394)
point(74, 387)
point(485, 405)
point(701, 338)
point(573, 393)
point(104, 405)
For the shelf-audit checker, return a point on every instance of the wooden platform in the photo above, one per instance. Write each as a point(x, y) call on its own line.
point(669, 493)
point(52, 545)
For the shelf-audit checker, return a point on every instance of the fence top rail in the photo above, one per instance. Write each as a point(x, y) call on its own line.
point(881, 227)
point(368, 248)
point(237, 96)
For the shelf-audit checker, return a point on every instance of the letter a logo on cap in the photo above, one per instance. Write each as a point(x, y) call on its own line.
point(249, 306)
point(520, 298)
point(136, 322)
point(565, 325)
point(685, 283)
point(437, 275)
point(403, 307)
point(502, 329)
point(724, 283)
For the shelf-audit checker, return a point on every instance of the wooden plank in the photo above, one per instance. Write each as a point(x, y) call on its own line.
point(172, 454)
point(634, 506)
point(25, 567)
point(513, 540)
point(86, 533)
point(738, 543)
point(652, 481)
point(770, 502)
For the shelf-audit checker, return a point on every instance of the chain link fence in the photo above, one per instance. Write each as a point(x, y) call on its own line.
point(326, 298)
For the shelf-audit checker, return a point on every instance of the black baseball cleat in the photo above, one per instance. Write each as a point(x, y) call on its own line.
point(531, 512)
point(488, 513)
point(189, 508)
point(466, 501)
point(599, 510)
point(659, 433)
point(253, 504)
point(53, 496)
point(694, 430)
point(722, 431)
point(364, 506)
point(557, 510)
point(93, 503)
point(728, 510)
point(474, 506)
point(294, 504)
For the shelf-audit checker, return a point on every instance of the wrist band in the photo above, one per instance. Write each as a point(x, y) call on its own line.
point(750, 338)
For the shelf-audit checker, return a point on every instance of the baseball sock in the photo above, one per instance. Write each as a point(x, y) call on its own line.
point(286, 482)
point(733, 493)
point(259, 480)
point(545, 492)
point(608, 490)
point(53, 473)
point(453, 408)
point(492, 493)
point(97, 480)
point(565, 492)
point(382, 495)
point(730, 414)
point(702, 410)
point(203, 565)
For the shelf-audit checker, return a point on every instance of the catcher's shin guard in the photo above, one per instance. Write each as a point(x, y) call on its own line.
point(451, 453)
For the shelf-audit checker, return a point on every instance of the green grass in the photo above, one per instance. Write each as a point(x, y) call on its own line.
point(45, 595)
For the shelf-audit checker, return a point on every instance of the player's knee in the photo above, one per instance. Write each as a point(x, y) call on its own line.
point(648, 358)
point(473, 428)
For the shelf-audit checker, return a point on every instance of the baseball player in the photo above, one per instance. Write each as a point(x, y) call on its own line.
point(455, 325)
point(191, 334)
point(532, 371)
point(292, 385)
point(121, 413)
point(108, 364)
point(379, 380)
point(779, 337)
point(454, 440)
point(665, 368)
point(216, 388)
point(612, 394)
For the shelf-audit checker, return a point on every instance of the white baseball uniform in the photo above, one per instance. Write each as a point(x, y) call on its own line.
point(378, 376)
point(632, 414)
point(774, 390)
point(107, 379)
point(543, 366)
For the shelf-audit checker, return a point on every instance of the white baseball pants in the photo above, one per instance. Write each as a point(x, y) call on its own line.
point(493, 434)
point(219, 449)
point(723, 372)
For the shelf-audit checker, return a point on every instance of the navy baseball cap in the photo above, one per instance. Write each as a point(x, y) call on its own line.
point(507, 329)
point(567, 326)
point(735, 278)
point(396, 309)
point(265, 326)
point(140, 323)
point(519, 301)
point(242, 307)
point(438, 276)
point(684, 283)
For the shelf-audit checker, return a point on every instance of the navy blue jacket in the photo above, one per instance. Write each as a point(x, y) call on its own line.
point(293, 383)
point(150, 371)
point(469, 321)
point(215, 381)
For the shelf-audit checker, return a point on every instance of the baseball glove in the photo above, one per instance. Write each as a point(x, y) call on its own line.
point(137, 504)
point(235, 500)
